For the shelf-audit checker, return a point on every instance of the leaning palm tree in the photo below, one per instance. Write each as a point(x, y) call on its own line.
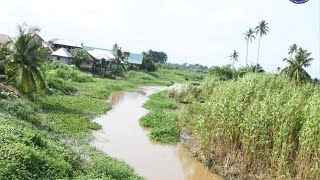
point(234, 57)
point(25, 57)
point(296, 70)
point(261, 30)
point(293, 49)
point(249, 35)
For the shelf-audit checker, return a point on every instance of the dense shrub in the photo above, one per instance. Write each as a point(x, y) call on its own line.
point(60, 85)
point(148, 65)
point(66, 72)
point(57, 76)
point(262, 125)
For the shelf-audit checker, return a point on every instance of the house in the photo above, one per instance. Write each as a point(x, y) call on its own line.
point(4, 39)
point(88, 63)
point(61, 55)
point(102, 57)
point(56, 44)
point(100, 53)
point(134, 60)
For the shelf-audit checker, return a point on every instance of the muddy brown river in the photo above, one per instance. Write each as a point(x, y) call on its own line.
point(123, 137)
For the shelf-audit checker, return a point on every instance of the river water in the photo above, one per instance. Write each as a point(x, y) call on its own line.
point(123, 137)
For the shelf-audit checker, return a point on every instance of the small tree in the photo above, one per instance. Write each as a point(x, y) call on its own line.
point(296, 70)
point(148, 65)
point(79, 56)
point(234, 57)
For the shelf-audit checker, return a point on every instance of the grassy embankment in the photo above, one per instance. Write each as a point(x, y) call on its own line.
point(49, 136)
point(260, 126)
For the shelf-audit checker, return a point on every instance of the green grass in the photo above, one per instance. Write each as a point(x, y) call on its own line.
point(262, 122)
point(49, 137)
point(161, 119)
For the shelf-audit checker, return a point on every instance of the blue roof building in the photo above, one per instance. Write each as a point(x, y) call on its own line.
point(135, 58)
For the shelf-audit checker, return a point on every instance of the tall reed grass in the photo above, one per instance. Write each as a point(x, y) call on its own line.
point(260, 126)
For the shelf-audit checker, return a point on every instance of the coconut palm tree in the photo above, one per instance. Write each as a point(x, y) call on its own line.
point(119, 59)
point(261, 30)
point(293, 49)
point(25, 57)
point(234, 57)
point(249, 35)
point(296, 70)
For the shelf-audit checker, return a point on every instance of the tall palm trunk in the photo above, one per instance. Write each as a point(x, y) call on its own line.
point(233, 69)
point(258, 51)
point(247, 52)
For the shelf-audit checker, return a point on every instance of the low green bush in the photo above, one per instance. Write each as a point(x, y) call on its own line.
point(23, 109)
point(161, 101)
point(65, 72)
point(60, 85)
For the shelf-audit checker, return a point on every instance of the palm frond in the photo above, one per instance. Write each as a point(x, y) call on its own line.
point(39, 77)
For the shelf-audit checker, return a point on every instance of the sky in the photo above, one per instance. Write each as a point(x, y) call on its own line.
point(189, 31)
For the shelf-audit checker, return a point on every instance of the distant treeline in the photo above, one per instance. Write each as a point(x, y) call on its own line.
point(185, 66)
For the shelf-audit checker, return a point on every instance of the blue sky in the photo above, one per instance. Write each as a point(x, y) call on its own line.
point(202, 31)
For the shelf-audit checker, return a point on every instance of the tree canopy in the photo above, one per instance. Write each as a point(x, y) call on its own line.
point(296, 70)
point(156, 56)
point(79, 56)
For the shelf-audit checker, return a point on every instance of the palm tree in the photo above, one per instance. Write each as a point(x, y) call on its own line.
point(234, 57)
point(293, 49)
point(261, 30)
point(119, 58)
point(249, 35)
point(25, 57)
point(295, 69)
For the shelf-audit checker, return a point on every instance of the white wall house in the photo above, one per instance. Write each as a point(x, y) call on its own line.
point(62, 56)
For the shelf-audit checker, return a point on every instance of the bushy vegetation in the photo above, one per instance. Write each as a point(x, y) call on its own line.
point(260, 126)
point(66, 72)
point(161, 120)
point(57, 76)
point(225, 73)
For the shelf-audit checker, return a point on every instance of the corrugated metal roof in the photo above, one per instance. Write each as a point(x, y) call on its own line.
point(62, 52)
point(135, 58)
point(89, 48)
point(66, 42)
point(101, 54)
